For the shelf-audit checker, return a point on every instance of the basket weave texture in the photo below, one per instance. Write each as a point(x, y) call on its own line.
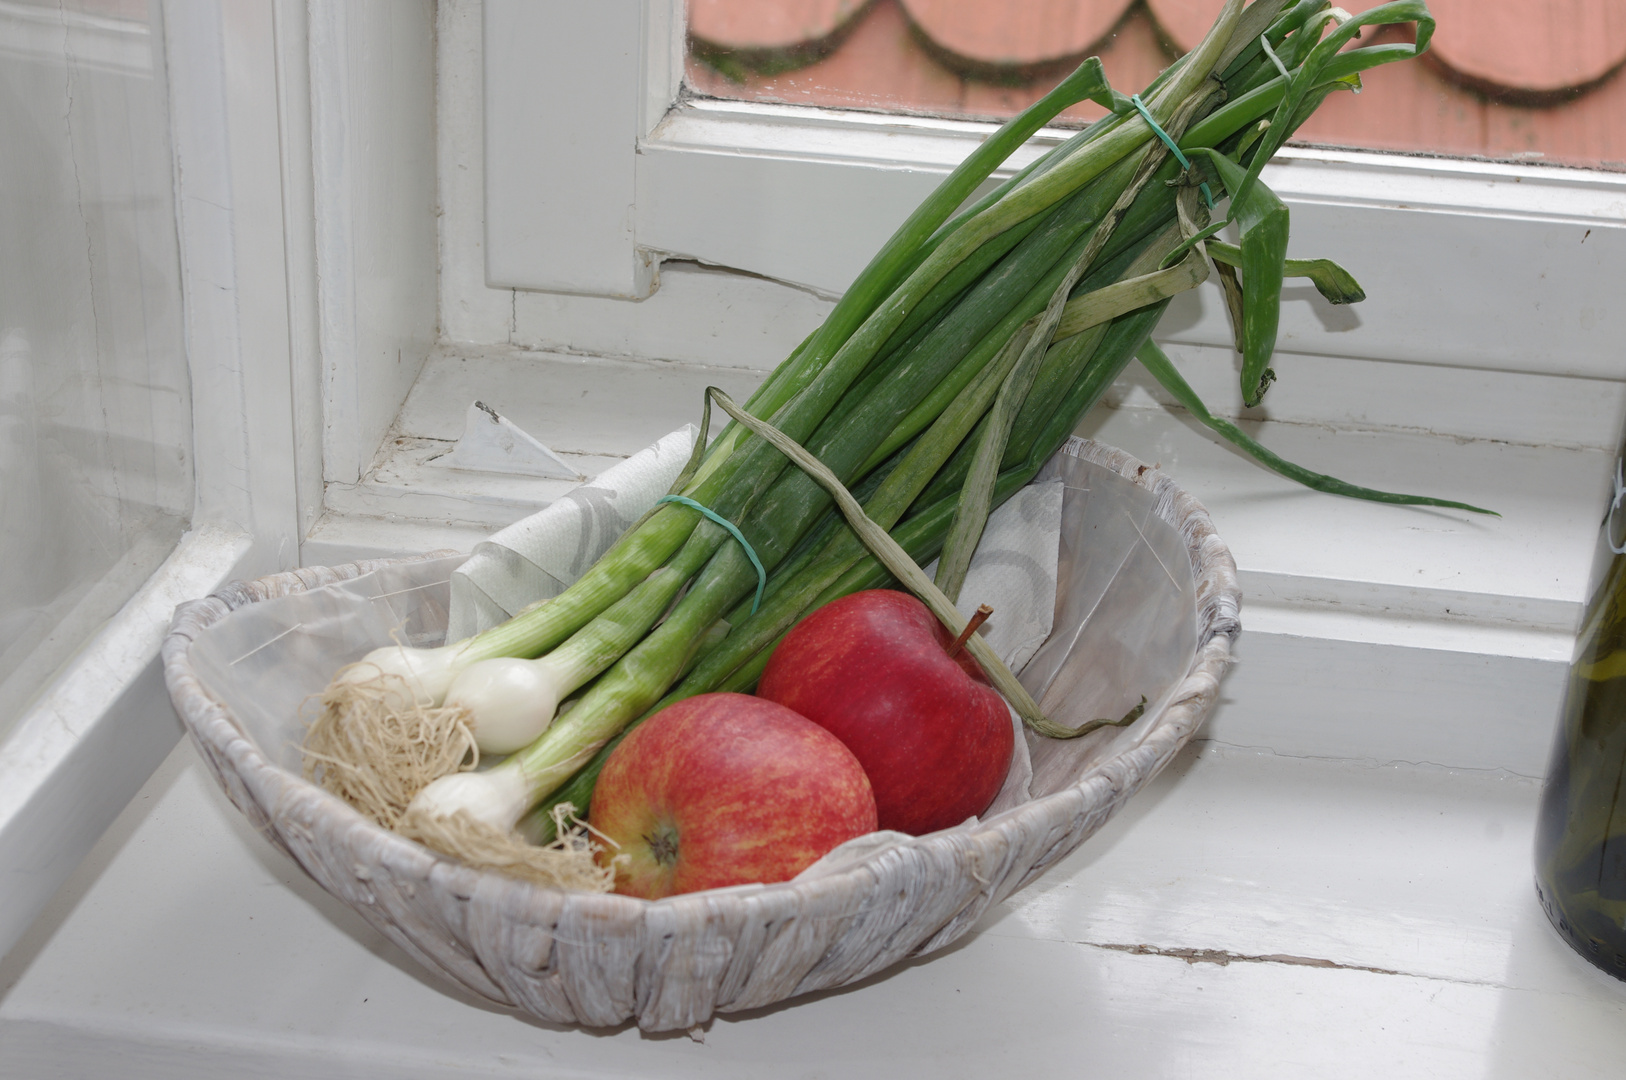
point(599, 959)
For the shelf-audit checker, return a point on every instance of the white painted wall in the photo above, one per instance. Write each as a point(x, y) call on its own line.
point(469, 311)
point(292, 63)
point(228, 191)
point(372, 72)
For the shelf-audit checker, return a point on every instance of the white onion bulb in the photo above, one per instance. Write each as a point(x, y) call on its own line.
point(510, 701)
point(422, 675)
point(497, 797)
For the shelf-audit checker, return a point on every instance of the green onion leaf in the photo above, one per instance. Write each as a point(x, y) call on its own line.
point(1263, 220)
point(1163, 369)
point(1330, 280)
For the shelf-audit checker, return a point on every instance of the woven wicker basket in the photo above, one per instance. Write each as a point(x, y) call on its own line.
point(601, 959)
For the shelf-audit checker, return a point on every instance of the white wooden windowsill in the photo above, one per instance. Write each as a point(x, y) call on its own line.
point(1248, 915)
point(93, 735)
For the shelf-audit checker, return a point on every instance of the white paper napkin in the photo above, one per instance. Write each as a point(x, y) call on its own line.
point(537, 557)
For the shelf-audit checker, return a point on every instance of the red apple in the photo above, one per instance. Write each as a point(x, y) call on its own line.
point(873, 668)
point(724, 789)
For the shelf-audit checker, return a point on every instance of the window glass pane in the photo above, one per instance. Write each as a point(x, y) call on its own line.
point(1507, 79)
point(95, 422)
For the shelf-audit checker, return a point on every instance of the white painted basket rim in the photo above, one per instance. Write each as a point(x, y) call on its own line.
point(600, 959)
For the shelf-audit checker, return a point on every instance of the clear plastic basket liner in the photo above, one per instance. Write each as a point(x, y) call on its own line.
point(1125, 627)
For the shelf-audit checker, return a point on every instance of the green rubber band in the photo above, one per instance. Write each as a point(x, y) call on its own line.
point(1185, 162)
point(750, 553)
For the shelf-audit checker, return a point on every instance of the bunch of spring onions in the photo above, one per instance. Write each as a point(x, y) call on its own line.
point(957, 363)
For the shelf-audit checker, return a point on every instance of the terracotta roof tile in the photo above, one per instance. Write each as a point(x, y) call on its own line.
point(1506, 45)
point(1586, 131)
point(1185, 21)
point(782, 24)
point(1014, 33)
point(884, 66)
point(1401, 107)
point(1414, 107)
point(881, 66)
point(1506, 76)
point(1130, 54)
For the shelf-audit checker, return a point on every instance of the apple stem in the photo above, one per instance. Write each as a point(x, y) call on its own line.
point(971, 624)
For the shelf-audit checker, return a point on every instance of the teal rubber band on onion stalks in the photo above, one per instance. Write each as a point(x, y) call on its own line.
point(733, 530)
point(1157, 129)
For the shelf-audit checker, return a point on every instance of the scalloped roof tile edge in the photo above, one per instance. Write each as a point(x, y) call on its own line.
point(1491, 46)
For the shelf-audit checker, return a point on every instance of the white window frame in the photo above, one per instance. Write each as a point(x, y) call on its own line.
point(71, 762)
point(302, 134)
point(799, 195)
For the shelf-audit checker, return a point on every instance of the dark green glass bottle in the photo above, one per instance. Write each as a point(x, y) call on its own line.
point(1581, 830)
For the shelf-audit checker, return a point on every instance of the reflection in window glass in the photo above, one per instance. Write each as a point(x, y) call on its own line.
point(95, 428)
point(1528, 80)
